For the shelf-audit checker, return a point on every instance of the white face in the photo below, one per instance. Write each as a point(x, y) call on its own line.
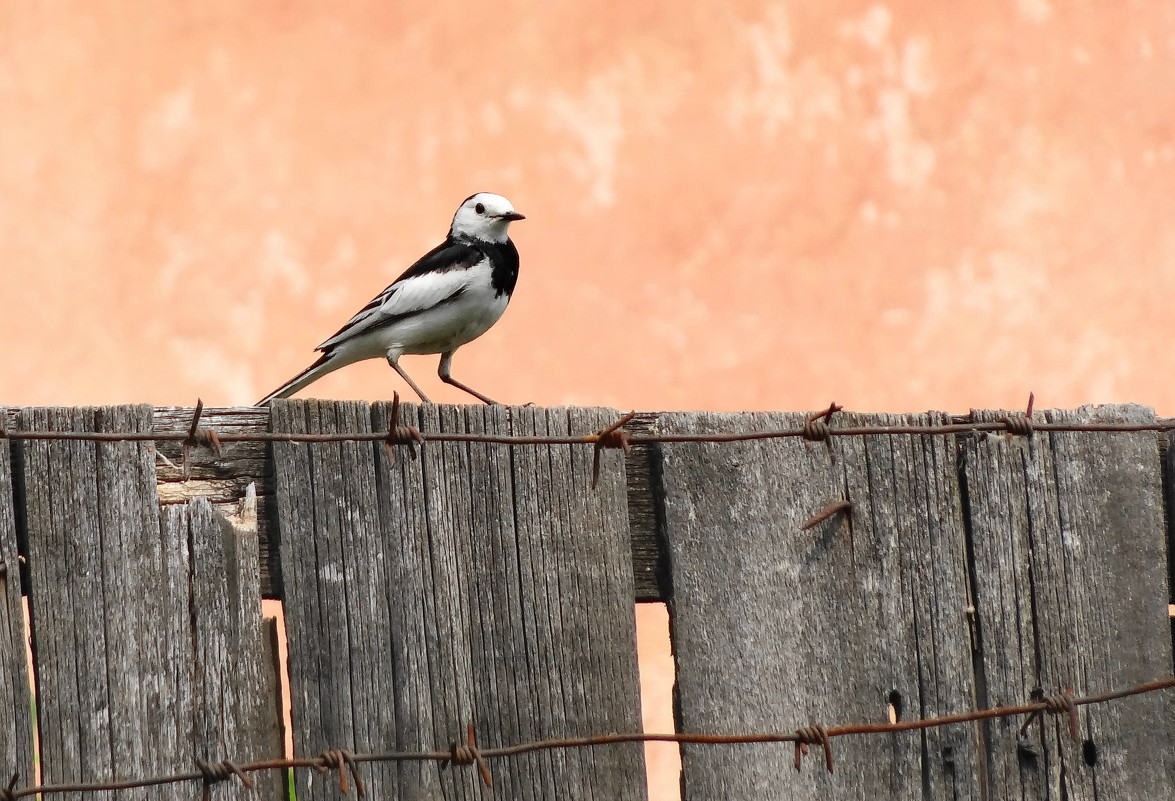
point(484, 216)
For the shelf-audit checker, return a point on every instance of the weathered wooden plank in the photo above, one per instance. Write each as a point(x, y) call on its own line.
point(478, 584)
point(104, 602)
point(222, 479)
point(775, 627)
point(327, 508)
point(147, 644)
point(1070, 555)
point(1168, 453)
point(16, 734)
point(232, 683)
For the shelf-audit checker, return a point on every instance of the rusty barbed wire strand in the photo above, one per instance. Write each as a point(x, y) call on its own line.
point(1010, 425)
point(469, 753)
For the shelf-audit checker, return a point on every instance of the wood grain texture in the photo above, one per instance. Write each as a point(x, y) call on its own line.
point(104, 605)
point(646, 523)
point(775, 627)
point(233, 685)
point(222, 479)
point(1168, 454)
point(1069, 542)
point(133, 660)
point(16, 733)
point(477, 584)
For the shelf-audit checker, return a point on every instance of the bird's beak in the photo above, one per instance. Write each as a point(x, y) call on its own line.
point(511, 216)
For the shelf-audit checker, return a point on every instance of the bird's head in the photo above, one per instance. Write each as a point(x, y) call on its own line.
point(484, 216)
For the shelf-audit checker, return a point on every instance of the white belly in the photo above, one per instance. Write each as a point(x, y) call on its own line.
point(447, 326)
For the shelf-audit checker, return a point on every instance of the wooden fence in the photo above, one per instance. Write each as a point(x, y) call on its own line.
point(430, 587)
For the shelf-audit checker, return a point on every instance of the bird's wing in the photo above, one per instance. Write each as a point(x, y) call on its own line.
point(439, 275)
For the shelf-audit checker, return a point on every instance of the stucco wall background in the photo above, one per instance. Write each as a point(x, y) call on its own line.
point(731, 205)
point(745, 205)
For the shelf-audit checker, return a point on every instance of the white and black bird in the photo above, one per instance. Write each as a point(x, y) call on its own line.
point(451, 296)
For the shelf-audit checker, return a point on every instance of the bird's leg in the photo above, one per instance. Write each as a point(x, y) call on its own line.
point(395, 363)
point(443, 372)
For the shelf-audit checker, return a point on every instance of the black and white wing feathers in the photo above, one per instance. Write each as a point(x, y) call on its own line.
point(440, 275)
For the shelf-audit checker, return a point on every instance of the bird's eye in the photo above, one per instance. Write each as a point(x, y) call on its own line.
point(480, 208)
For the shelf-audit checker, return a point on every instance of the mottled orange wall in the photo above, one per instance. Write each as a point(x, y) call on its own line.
point(746, 205)
point(731, 205)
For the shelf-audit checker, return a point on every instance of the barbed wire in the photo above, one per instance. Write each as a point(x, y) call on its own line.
point(816, 428)
point(468, 752)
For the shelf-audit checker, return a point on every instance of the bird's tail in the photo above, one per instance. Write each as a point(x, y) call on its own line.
point(327, 363)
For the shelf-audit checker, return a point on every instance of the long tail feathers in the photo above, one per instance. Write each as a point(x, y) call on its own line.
point(325, 364)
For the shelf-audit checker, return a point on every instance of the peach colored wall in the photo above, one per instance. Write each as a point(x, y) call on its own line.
point(731, 205)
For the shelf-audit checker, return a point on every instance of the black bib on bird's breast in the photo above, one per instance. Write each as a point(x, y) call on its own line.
point(504, 257)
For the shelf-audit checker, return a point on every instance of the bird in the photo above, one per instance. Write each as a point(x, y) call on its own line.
point(452, 295)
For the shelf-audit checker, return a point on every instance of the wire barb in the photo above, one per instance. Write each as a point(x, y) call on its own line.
point(469, 754)
point(401, 434)
point(8, 792)
point(198, 435)
point(813, 735)
point(342, 761)
point(1020, 425)
point(816, 428)
point(1055, 704)
point(215, 773)
point(610, 437)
